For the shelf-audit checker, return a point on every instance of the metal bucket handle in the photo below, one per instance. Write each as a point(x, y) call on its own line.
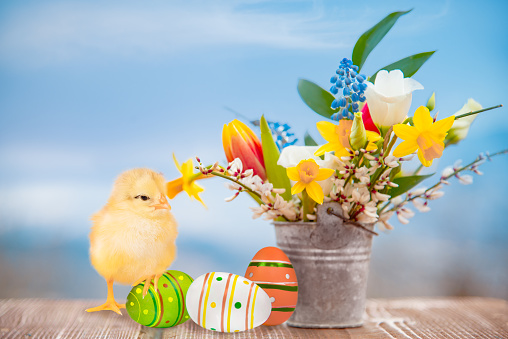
point(331, 233)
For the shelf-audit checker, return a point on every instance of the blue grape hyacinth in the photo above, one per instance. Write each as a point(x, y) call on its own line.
point(349, 90)
point(281, 135)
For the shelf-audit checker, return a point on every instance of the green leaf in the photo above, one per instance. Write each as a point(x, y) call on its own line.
point(309, 141)
point(406, 183)
point(409, 66)
point(276, 174)
point(318, 99)
point(372, 37)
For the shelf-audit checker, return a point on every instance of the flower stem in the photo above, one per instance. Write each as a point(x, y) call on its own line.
point(377, 174)
point(476, 112)
point(307, 204)
point(387, 138)
point(347, 180)
point(392, 142)
point(382, 208)
point(418, 169)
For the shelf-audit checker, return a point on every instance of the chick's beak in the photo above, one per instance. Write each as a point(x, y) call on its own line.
point(163, 204)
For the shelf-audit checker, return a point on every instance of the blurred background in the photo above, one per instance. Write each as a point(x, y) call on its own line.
point(89, 89)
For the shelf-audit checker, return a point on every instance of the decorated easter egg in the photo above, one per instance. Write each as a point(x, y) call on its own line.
point(227, 302)
point(164, 308)
point(271, 270)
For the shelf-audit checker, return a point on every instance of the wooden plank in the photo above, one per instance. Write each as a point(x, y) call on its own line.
point(396, 318)
point(39, 318)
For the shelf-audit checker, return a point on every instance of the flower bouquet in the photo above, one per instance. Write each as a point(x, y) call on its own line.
point(366, 172)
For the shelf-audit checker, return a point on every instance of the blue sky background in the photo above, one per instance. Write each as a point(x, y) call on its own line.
point(89, 89)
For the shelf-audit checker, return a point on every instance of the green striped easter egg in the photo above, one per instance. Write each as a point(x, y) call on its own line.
point(164, 308)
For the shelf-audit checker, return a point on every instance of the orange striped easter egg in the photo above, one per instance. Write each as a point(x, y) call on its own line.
point(271, 270)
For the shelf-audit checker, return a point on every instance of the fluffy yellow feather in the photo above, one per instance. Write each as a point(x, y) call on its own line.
point(133, 236)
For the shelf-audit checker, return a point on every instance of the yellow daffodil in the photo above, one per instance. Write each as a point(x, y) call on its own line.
point(306, 173)
point(425, 136)
point(338, 138)
point(186, 182)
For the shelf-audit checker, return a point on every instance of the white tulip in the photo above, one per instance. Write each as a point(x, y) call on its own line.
point(389, 99)
point(460, 127)
point(292, 155)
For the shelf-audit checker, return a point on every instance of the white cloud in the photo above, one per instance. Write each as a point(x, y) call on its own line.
point(59, 32)
point(50, 205)
point(44, 157)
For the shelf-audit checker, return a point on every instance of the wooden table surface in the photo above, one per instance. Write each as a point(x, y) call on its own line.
point(393, 318)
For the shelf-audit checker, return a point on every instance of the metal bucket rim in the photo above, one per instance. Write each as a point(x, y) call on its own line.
point(296, 223)
point(313, 223)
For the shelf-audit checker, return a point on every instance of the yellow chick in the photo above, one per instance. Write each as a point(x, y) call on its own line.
point(133, 236)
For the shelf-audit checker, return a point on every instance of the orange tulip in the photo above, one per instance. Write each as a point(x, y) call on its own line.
point(239, 141)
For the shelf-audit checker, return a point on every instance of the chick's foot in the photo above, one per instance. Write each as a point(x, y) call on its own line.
point(109, 305)
point(148, 280)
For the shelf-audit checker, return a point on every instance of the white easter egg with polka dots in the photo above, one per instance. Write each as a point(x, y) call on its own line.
point(226, 302)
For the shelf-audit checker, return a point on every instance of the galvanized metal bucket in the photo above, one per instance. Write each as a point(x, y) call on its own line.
point(331, 259)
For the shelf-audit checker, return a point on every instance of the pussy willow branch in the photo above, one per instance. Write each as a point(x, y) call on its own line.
point(378, 172)
point(383, 168)
point(466, 167)
point(352, 211)
point(254, 194)
point(356, 164)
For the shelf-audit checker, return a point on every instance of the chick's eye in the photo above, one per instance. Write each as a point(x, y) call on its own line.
point(142, 197)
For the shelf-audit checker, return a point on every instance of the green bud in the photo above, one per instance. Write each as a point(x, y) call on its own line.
point(358, 137)
point(431, 103)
